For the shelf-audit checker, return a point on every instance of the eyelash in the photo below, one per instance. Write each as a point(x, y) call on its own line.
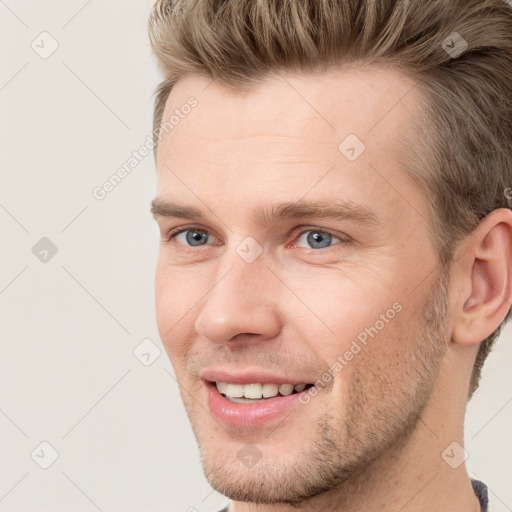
point(175, 232)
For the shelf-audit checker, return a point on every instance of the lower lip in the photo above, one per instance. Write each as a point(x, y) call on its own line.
point(248, 414)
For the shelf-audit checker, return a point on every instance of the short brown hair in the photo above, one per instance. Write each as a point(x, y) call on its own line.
point(460, 150)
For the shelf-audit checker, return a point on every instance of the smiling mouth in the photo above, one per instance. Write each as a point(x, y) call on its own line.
point(257, 392)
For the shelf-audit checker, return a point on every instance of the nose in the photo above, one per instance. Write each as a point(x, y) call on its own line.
point(241, 304)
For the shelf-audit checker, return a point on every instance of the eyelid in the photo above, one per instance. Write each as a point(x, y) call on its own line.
point(304, 229)
point(176, 231)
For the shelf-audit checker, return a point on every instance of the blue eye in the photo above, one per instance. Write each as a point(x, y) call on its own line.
point(318, 239)
point(193, 236)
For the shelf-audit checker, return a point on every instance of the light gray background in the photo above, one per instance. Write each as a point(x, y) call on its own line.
point(69, 326)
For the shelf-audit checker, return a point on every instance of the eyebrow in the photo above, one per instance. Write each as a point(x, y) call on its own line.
point(335, 209)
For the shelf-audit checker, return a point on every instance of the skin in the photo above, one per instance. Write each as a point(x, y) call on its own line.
point(373, 438)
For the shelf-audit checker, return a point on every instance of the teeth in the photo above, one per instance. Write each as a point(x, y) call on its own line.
point(242, 400)
point(270, 390)
point(221, 386)
point(257, 391)
point(234, 390)
point(253, 391)
point(286, 389)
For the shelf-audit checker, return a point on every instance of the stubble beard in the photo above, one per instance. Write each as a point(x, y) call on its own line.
point(380, 419)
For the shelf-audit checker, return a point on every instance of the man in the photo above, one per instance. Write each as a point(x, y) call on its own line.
point(336, 249)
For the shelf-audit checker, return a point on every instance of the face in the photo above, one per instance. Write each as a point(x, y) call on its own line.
point(306, 261)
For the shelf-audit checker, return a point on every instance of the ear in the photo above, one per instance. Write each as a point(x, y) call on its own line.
point(483, 279)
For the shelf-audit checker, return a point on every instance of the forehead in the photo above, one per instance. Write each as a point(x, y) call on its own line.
point(374, 103)
point(286, 133)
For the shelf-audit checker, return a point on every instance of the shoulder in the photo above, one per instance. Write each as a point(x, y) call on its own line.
point(481, 491)
point(225, 507)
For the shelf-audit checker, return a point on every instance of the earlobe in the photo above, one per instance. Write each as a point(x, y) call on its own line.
point(487, 271)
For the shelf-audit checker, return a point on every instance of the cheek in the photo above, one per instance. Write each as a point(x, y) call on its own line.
point(175, 297)
point(361, 327)
point(340, 310)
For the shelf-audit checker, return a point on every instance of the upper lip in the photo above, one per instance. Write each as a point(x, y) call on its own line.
point(212, 375)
